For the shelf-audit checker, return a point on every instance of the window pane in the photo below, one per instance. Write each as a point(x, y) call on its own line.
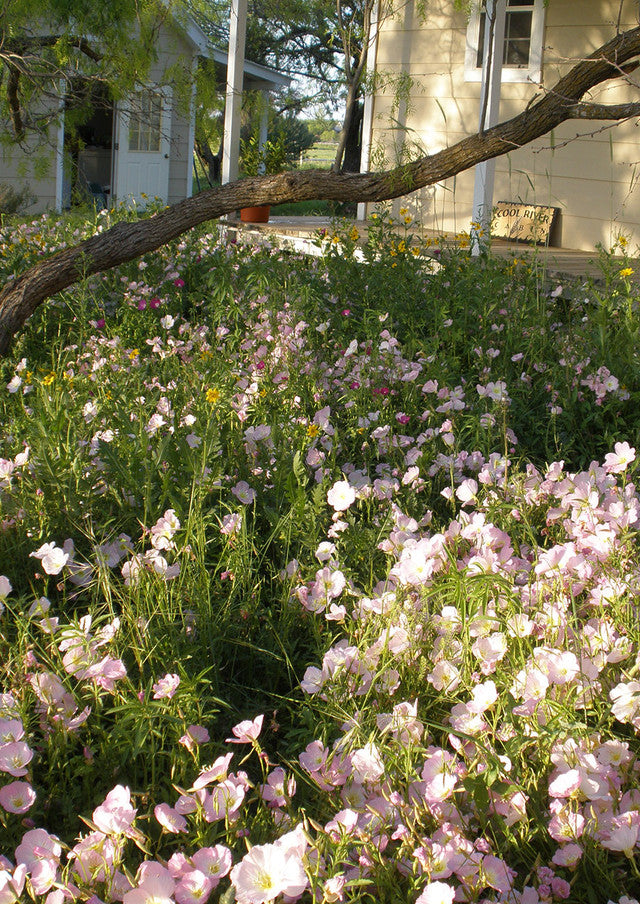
point(517, 39)
point(520, 2)
point(480, 53)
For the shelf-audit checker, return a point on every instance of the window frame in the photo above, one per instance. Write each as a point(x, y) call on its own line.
point(145, 120)
point(530, 73)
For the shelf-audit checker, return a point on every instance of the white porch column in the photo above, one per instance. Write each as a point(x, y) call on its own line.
point(367, 113)
point(264, 124)
point(489, 115)
point(233, 102)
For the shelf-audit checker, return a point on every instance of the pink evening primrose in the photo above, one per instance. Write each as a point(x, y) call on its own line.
point(166, 687)
point(53, 558)
point(246, 732)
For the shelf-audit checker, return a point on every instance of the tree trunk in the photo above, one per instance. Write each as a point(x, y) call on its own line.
point(126, 241)
point(353, 145)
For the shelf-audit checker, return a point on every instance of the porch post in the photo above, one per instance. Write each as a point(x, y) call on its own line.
point(264, 124)
point(233, 102)
point(490, 86)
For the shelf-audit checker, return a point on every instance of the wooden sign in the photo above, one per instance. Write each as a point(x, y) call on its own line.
point(523, 222)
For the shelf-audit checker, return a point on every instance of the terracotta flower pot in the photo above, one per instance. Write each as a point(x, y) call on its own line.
point(255, 214)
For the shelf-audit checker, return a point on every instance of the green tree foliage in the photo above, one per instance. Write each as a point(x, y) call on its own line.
point(51, 49)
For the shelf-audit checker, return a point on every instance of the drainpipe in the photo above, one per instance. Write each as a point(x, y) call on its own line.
point(367, 114)
point(233, 102)
point(490, 86)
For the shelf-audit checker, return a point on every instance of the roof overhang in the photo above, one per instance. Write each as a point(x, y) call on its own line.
point(256, 77)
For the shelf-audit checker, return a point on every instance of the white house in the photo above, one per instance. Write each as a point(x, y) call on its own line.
point(131, 151)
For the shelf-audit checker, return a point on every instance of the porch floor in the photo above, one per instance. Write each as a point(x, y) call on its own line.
point(558, 263)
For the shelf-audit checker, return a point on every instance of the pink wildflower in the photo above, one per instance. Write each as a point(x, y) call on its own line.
point(17, 797)
point(246, 732)
point(169, 819)
point(616, 462)
point(166, 687)
point(437, 893)
point(267, 871)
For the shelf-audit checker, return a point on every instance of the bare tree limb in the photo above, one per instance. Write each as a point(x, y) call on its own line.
point(126, 241)
point(617, 112)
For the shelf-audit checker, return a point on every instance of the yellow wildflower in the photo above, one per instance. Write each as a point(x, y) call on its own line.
point(354, 235)
point(402, 246)
point(312, 430)
point(134, 353)
point(626, 272)
point(48, 380)
point(212, 396)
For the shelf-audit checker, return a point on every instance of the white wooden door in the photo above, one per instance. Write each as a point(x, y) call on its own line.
point(143, 147)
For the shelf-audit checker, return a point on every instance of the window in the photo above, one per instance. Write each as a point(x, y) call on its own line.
point(145, 120)
point(522, 48)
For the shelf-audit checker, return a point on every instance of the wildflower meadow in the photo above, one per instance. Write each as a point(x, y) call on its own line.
point(320, 577)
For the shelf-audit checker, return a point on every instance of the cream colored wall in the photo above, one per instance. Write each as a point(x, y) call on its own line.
point(592, 180)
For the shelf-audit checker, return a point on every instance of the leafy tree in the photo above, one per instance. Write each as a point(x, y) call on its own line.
point(45, 44)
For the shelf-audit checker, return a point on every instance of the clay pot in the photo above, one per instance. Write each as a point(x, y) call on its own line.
point(255, 214)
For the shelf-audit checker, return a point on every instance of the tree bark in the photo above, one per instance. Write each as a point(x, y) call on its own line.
point(126, 241)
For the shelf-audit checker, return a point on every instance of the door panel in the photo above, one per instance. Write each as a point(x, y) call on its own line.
point(144, 144)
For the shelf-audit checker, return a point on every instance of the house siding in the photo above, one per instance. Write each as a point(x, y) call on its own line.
point(592, 179)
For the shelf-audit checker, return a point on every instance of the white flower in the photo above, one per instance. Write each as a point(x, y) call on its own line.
point(52, 557)
point(341, 496)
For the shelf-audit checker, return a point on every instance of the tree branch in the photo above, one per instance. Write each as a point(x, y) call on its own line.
point(616, 112)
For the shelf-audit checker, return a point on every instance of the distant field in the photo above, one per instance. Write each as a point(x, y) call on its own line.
point(320, 155)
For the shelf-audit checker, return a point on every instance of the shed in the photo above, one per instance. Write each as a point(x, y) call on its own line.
point(134, 150)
